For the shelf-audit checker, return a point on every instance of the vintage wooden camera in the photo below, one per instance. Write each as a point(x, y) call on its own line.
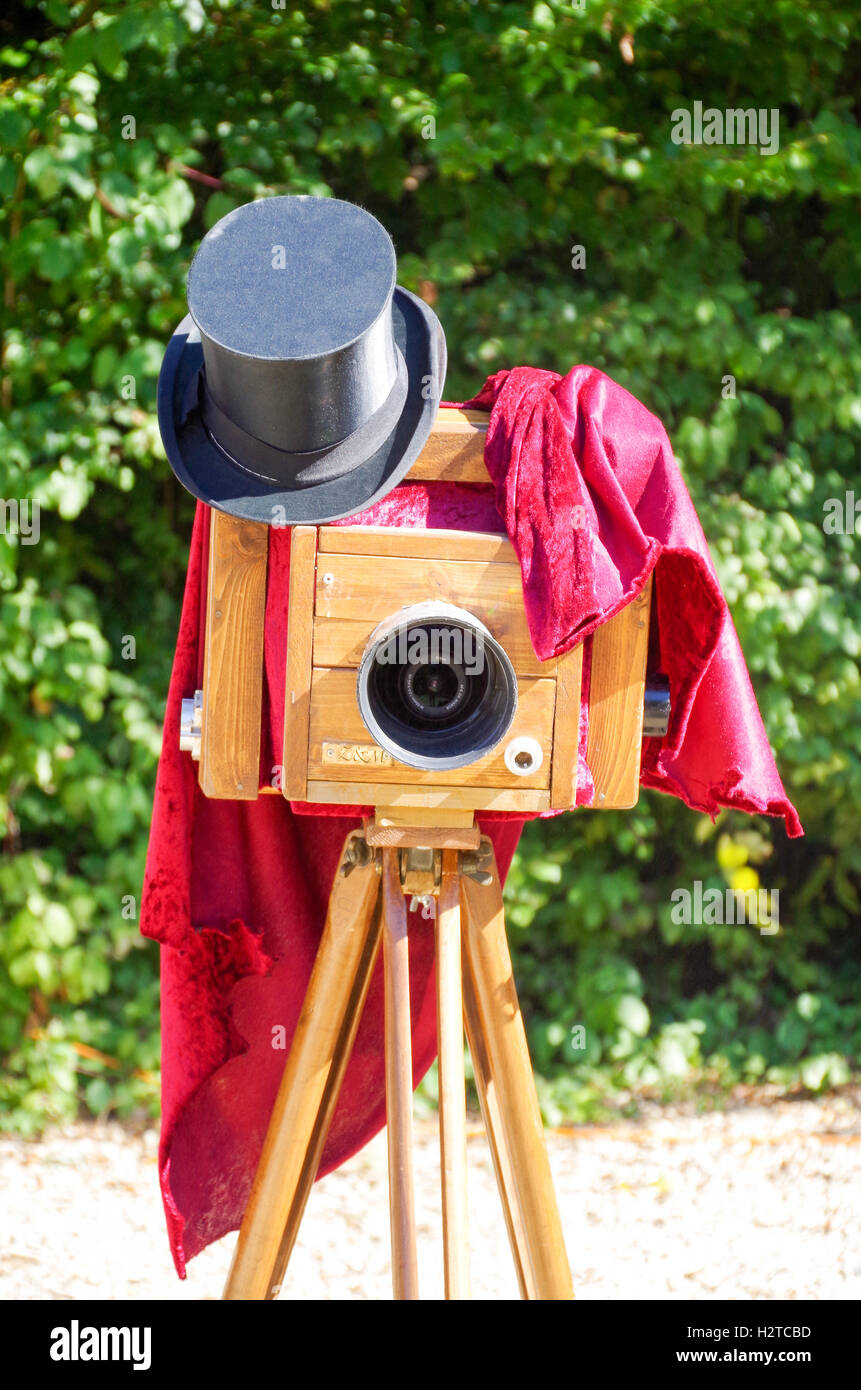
point(419, 687)
point(412, 684)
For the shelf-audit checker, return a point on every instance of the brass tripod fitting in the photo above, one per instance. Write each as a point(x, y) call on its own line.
point(357, 853)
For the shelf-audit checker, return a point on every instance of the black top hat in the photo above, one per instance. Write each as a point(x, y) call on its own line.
point(304, 381)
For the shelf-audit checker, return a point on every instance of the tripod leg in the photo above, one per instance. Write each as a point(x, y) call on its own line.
point(309, 1088)
point(496, 1137)
point(532, 1199)
point(332, 1091)
point(452, 1085)
point(399, 1081)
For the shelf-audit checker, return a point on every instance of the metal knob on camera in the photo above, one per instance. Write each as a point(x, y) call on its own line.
point(656, 706)
point(191, 725)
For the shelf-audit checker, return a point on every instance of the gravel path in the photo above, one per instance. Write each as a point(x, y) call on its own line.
point(762, 1201)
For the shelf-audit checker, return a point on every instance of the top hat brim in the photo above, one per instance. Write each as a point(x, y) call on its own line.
point(211, 475)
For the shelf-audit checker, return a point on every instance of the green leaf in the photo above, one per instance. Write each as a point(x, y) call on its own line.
point(59, 924)
point(177, 200)
point(59, 258)
point(634, 1015)
point(218, 206)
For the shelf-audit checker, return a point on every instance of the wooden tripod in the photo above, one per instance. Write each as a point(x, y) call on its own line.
point(475, 987)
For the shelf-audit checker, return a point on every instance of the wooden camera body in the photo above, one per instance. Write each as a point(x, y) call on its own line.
point(344, 581)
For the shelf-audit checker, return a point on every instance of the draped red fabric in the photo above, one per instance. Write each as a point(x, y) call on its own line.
point(594, 502)
point(585, 484)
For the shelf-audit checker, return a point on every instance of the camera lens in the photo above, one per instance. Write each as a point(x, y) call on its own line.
point(435, 688)
point(434, 691)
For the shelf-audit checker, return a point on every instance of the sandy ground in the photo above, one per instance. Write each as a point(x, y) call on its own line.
point(763, 1201)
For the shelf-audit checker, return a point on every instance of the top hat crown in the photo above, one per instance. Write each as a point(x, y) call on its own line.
point(304, 381)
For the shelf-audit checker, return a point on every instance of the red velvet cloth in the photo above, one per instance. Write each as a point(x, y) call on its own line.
point(585, 484)
point(593, 501)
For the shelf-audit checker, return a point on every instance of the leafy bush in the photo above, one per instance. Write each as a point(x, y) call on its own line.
point(492, 139)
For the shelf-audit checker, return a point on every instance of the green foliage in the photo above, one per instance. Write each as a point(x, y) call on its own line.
point(663, 1007)
point(491, 139)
